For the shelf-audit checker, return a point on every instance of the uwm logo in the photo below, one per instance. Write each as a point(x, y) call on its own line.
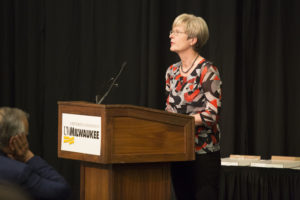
point(69, 140)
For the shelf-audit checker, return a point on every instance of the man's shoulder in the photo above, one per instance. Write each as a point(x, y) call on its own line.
point(6, 162)
point(11, 169)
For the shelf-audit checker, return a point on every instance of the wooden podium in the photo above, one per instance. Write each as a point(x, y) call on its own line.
point(137, 145)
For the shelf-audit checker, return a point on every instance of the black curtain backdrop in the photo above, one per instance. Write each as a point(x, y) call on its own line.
point(54, 50)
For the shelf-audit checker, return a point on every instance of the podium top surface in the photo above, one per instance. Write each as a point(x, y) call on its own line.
point(120, 106)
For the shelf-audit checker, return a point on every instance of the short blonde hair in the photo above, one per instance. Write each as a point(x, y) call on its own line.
point(194, 27)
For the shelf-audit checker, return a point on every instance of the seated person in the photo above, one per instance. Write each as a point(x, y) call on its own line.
point(19, 166)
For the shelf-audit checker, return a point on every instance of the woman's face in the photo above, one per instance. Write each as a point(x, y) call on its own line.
point(179, 39)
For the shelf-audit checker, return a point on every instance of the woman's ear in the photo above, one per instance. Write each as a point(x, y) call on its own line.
point(193, 41)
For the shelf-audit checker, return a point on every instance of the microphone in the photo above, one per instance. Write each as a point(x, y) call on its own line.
point(112, 84)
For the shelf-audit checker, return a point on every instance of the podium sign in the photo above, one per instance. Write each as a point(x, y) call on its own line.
point(81, 134)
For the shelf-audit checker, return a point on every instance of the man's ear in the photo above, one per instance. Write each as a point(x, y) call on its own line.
point(11, 145)
point(10, 148)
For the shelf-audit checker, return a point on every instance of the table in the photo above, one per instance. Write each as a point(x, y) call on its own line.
point(255, 183)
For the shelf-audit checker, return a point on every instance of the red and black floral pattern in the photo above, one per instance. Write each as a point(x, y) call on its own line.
point(199, 92)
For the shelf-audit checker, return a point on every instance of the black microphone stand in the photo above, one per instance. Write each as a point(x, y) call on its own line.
point(112, 84)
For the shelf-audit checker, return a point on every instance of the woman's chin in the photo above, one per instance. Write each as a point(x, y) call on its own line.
point(172, 49)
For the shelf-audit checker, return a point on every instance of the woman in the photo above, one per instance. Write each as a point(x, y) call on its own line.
point(193, 87)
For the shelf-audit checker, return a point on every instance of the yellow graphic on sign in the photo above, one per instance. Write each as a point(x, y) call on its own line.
point(68, 139)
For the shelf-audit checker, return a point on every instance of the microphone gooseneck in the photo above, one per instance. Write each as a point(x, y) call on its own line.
point(113, 83)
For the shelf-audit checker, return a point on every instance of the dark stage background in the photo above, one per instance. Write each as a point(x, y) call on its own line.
point(62, 50)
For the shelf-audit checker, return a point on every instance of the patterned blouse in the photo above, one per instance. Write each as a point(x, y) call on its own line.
point(200, 92)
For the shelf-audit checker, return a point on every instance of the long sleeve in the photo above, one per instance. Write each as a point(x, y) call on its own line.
point(43, 182)
point(211, 86)
point(167, 90)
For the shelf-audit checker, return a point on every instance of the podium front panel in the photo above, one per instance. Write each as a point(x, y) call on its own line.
point(133, 134)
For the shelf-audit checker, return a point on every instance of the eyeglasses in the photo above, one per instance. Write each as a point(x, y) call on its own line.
point(176, 33)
